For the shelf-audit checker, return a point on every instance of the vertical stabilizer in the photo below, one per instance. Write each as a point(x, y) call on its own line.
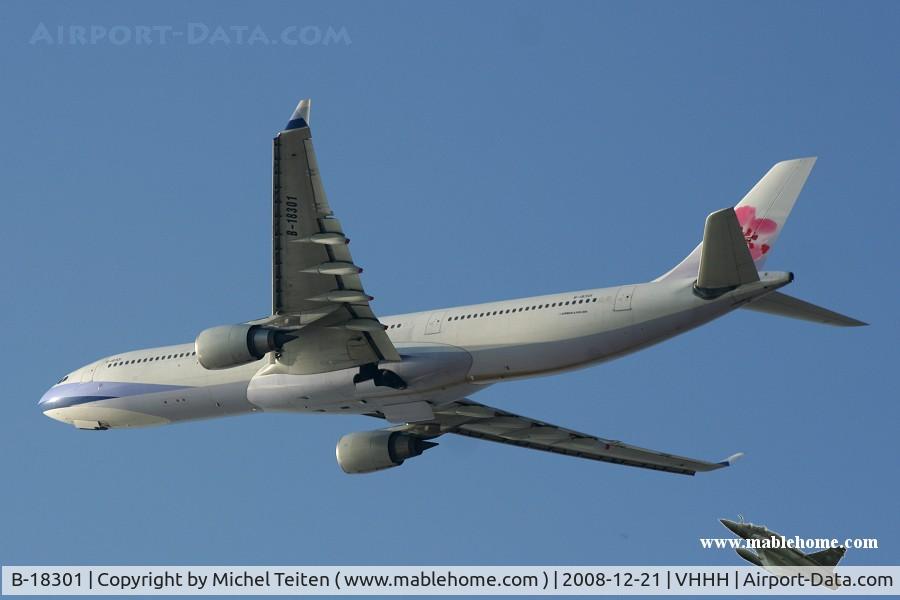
point(761, 214)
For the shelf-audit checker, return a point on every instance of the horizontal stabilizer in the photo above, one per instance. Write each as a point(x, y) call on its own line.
point(725, 260)
point(783, 305)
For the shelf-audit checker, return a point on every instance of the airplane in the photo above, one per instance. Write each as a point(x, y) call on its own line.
point(773, 558)
point(324, 350)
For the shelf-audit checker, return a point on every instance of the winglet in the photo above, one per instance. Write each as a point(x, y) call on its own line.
point(300, 117)
point(730, 460)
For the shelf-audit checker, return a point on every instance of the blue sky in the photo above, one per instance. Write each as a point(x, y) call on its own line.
point(473, 152)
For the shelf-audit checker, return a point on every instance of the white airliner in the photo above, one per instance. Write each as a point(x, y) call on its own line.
point(323, 349)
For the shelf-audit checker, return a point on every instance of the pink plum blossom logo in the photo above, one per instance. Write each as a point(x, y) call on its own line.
point(756, 231)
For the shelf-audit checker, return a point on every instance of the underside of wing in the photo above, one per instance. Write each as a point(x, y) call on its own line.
point(472, 419)
point(317, 292)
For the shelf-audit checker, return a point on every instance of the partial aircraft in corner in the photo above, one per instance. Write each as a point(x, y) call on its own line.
point(764, 555)
point(324, 350)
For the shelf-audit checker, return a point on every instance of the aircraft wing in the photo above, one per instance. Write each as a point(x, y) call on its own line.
point(828, 558)
point(465, 417)
point(316, 287)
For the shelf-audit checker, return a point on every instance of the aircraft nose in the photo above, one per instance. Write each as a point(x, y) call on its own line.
point(52, 402)
point(735, 528)
point(46, 399)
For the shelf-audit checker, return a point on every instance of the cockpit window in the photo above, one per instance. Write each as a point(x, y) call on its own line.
point(61, 380)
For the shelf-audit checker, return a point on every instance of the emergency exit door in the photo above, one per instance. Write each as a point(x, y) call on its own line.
point(623, 298)
point(434, 323)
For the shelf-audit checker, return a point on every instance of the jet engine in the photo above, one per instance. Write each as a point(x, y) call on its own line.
point(369, 451)
point(228, 346)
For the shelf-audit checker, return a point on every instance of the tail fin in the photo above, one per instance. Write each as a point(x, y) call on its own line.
point(761, 214)
point(828, 558)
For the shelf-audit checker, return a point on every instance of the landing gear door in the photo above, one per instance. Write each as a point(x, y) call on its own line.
point(434, 323)
point(623, 298)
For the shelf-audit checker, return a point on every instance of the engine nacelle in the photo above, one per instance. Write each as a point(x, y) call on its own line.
point(229, 346)
point(369, 451)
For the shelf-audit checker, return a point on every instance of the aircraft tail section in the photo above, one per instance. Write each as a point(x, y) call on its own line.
point(827, 558)
point(725, 259)
point(783, 305)
point(761, 214)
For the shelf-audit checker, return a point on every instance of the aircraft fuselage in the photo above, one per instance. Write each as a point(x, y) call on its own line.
point(447, 354)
